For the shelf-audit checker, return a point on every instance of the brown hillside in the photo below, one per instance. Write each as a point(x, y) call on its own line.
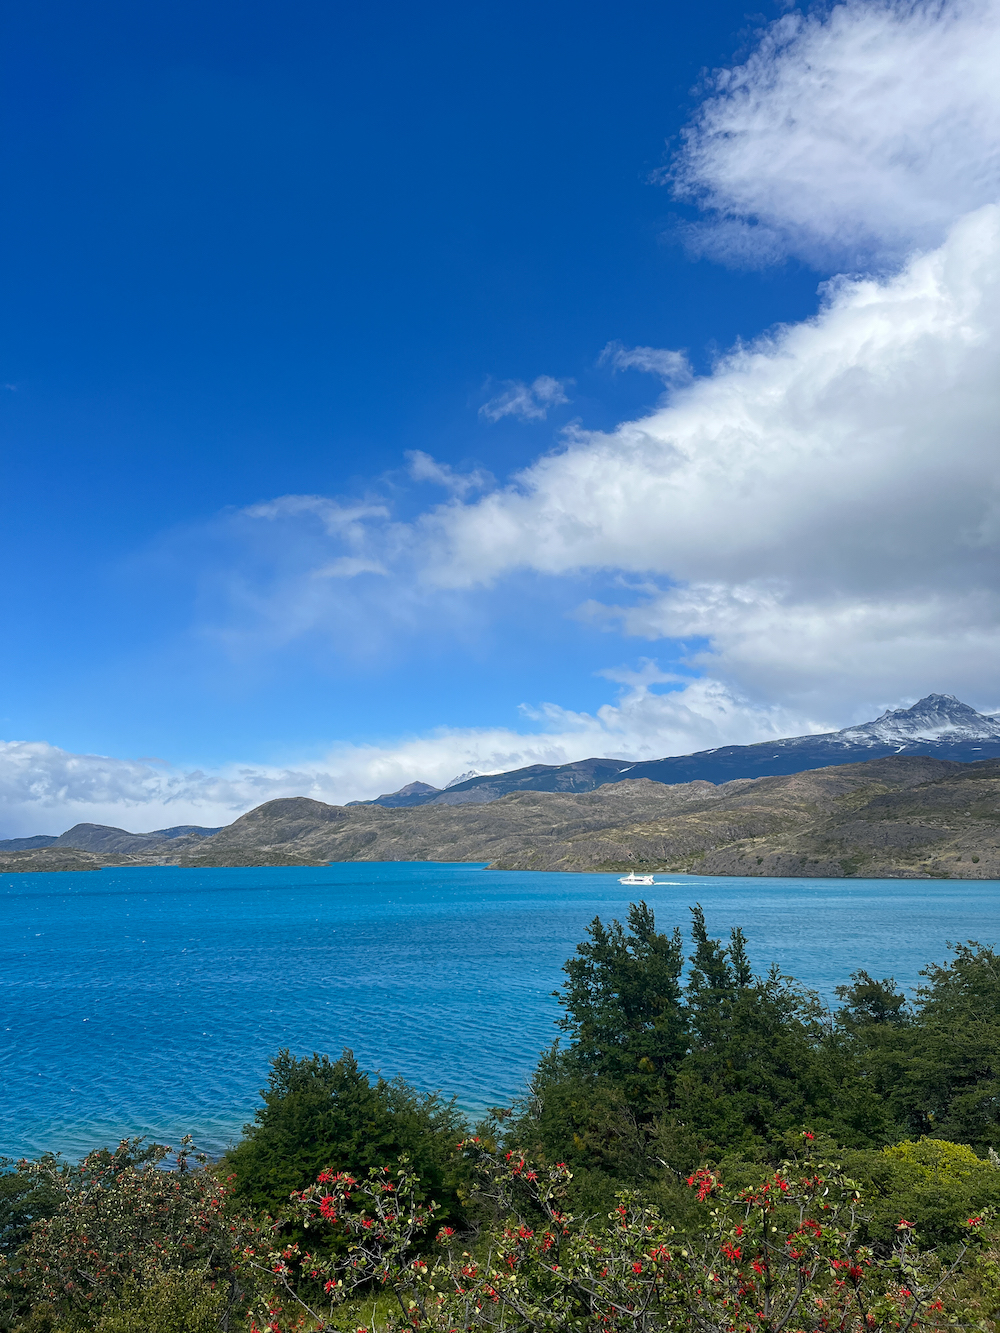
point(902, 816)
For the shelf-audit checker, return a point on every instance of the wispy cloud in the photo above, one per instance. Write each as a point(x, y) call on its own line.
point(671, 367)
point(530, 402)
point(423, 467)
point(851, 135)
point(339, 519)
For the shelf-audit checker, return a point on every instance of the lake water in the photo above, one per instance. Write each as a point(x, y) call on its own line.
point(150, 1000)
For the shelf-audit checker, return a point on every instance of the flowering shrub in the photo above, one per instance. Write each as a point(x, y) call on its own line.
point(386, 1227)
point(781, 1256)
point(121, 1222)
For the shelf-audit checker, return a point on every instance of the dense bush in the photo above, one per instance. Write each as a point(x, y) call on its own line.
point(786, 1252)
point(935, 1184)
point(26, 1196)
point(936, 1064)
point(120, 1230)
point(319, 1112)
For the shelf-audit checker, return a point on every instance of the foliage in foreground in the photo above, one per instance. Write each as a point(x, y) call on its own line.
point(135, 1249)
point(783, 1254)
point(126, 1238)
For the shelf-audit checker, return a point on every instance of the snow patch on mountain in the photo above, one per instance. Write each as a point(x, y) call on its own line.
point(472, 773)
point(936, 717)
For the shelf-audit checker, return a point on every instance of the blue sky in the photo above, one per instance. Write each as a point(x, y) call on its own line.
point(253, 254)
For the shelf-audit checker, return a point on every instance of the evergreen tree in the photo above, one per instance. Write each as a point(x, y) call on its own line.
point(949, 1058)
point(872, 1007)
point(320, 1113)
point(622, 1003)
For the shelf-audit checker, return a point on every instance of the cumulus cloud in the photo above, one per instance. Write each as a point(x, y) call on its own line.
point(671, 367)
point(44, 789)
point(857, 447)
point(850, 135)
point(530, 402)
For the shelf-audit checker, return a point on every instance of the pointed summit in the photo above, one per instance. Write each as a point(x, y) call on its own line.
point(937, 717)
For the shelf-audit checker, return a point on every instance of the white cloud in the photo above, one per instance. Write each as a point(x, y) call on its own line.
point(530, 402)
point(851, 134)
point(339, 520)
point(822, 511)
point(671, 367)
point(44, 789)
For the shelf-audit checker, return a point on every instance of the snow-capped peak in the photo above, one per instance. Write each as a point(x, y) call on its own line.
point(937, 717)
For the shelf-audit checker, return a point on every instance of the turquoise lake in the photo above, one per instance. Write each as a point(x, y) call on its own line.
point(148, 1001)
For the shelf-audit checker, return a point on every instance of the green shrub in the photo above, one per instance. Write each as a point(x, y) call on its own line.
point(320, 1113)
point(935, 1184)
point(175, 1303)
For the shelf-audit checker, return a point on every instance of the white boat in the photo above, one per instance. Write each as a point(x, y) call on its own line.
point(633, 878)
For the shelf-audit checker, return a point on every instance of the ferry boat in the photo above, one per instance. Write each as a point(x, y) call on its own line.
point(633, 878)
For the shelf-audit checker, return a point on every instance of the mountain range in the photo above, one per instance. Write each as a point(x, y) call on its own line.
point(804, 805)
point(939, 725)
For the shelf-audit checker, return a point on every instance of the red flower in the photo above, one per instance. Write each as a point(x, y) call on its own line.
point(704, 1181)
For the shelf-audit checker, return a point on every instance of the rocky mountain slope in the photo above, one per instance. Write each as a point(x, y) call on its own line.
point(104, 838)
point(909, 816)
point(939, 725)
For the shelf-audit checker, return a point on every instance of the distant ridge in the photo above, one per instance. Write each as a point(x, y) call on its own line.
point(27, 844)
point(412, 794)
point(939, 726)
point(106, 839)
